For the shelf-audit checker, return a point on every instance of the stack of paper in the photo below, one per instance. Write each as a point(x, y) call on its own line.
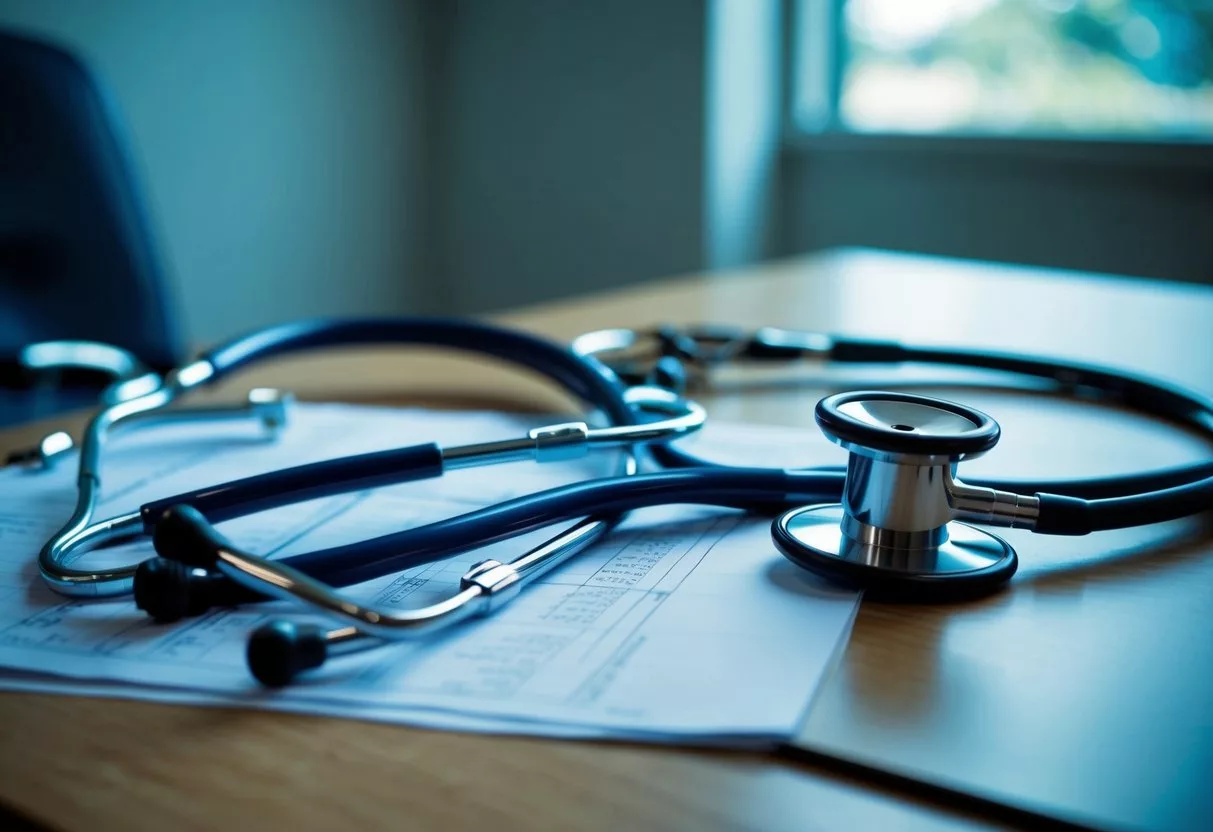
point(684, 625)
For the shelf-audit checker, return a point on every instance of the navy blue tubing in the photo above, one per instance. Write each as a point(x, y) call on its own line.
point(745, 488)
point(168, 592)
point(285, 486)
point(761, 489)
point(356, 473)
point(1111, 502)
point(1074, 516)
point(1093, 488)
point(590, 381)
point(1147, 396)
point(239, 498)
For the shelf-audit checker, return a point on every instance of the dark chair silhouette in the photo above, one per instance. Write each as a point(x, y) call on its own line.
point(76, 255)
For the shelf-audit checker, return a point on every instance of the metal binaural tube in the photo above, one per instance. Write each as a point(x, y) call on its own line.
point(81, 533)
point(279, 650)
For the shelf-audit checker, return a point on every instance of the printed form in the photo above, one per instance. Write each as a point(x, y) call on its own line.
point(684, 624)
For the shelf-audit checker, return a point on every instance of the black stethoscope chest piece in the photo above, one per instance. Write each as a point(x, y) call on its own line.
point(894, 534)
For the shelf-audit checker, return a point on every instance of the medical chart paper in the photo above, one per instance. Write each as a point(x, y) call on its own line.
point(683, 624)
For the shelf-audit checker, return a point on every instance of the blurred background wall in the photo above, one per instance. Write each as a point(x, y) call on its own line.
point(332, 157)
point(276, 141)
point(308, 157)
point(568, 151)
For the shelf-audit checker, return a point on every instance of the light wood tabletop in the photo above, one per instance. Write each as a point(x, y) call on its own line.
point(1081, 692)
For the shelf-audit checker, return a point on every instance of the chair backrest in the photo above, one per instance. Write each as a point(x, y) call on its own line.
point(76, 254)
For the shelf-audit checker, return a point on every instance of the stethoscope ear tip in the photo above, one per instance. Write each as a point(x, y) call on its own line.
point(281, 650)
point(183, 535)
point(162, 589)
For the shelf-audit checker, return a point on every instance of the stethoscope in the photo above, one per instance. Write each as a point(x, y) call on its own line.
point(894, 530)
point(636, 416)
point(889, 524)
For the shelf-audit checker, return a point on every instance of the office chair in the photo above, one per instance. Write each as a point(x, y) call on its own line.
point(77, 260)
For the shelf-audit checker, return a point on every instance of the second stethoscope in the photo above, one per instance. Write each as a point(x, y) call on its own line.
point(888, 524)
point(636, 417)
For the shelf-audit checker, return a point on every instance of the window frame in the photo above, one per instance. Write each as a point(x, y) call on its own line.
point(802, 51)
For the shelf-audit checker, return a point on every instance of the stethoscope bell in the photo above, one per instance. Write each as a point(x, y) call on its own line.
point(894, 535)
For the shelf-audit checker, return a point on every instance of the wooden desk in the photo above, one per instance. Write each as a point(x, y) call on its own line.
point(1102, 651)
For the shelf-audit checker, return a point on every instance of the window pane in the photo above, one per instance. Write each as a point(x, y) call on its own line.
point(1090, 67)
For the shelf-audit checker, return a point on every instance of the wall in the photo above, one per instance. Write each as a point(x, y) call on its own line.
point(376, 156)
point(1145, 211)
point(277, 141)
point(743, 130)
point(568, 150)
point(390, 156)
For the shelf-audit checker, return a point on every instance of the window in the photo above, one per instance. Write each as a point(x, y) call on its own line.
point(1128, 69)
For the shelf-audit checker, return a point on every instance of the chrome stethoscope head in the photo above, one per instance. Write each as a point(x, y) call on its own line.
point(896, 533)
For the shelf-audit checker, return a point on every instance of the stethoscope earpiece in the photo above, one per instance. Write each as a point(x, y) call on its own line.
point(895, 534)
point(281, 650)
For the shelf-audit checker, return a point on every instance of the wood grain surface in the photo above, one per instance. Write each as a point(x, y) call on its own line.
point(1081, 691)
